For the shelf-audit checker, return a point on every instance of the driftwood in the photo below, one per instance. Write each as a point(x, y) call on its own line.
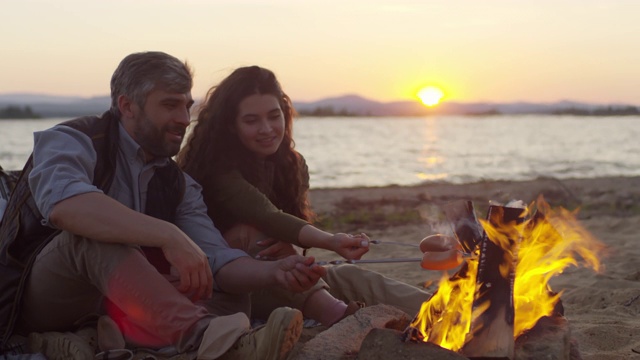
point(491, 332)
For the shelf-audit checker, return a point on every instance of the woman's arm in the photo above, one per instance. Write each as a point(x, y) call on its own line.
point(233, 196)
point(232, 200)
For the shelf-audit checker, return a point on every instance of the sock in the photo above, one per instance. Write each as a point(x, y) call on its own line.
point(324, 308)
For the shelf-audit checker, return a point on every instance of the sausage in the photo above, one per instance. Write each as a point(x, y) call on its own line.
point(439, 242)
point(441, 260)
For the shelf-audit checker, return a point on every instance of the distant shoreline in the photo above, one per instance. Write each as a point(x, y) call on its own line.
point(17, 112)
point(355, 116)
point(347, 106)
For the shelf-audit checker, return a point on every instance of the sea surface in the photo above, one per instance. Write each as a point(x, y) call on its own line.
point(351, 152)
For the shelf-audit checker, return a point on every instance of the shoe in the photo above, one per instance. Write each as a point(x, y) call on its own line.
point(109, 335)
point(60, 346)
point(90, 335)
point(273, 341)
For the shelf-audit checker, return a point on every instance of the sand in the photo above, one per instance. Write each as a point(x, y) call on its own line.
point(602, 308)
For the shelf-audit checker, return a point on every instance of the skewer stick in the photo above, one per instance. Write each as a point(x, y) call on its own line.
point(380, 261)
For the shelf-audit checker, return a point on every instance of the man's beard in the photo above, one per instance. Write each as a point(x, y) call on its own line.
point(153, 140)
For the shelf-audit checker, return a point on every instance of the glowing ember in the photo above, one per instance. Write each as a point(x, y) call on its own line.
point(551, 240)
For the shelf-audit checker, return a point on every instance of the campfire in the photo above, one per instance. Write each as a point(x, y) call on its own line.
point(503, 291)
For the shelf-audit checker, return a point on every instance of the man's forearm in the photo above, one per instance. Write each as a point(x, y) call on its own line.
point(99, 217)
point(294, 273)
point(245, 274)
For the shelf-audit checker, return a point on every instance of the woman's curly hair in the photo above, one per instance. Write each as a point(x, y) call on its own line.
point(213, 147)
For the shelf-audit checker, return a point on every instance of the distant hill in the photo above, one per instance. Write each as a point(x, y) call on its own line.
point(357, 105)
point(354, 105)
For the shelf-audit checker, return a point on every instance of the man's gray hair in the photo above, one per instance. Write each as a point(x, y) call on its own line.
point(140, 73)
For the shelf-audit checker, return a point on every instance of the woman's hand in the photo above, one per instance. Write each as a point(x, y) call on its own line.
point(274, 249)
point(350, 247)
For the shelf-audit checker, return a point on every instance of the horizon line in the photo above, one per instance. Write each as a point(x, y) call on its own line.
point(362, 97)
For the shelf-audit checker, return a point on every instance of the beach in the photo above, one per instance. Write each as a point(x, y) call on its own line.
point(602, 307)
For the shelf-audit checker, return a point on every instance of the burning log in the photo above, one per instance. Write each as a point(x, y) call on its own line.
point(492, 324)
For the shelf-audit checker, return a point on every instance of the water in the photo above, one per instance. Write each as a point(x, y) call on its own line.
point(350, 152)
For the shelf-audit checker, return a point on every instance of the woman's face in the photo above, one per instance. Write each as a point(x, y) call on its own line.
point(260, 124)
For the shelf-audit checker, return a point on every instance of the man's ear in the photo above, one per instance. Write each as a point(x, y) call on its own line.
point(126, 106)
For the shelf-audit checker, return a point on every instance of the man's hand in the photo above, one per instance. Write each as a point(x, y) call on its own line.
point(297, 273)
point(294, 273)
point(101, 218)
point(275, 250)
point(193, 267)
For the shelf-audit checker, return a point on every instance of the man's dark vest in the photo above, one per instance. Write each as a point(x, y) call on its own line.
point(22, 234)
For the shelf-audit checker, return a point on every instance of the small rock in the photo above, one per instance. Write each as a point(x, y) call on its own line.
point(342, 341)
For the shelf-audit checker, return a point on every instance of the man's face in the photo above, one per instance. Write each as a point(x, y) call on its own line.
point(160, 126)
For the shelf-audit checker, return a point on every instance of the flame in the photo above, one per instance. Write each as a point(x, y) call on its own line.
point(548, 242)
point(549, 245)
point(441, 319)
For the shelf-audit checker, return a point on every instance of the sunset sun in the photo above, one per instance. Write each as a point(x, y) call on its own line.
point(430, 95)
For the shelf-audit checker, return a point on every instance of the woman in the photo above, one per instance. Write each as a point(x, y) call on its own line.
point(255, 184)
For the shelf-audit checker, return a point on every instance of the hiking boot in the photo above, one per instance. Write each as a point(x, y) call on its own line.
point(89, 335)
point(273, 341)
point(60, 346)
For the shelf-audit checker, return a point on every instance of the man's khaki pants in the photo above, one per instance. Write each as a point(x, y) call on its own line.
point(74, 278)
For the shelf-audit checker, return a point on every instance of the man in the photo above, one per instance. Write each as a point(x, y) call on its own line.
point(103, 222)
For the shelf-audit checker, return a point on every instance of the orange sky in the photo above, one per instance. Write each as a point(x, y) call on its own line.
point(500, 51)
